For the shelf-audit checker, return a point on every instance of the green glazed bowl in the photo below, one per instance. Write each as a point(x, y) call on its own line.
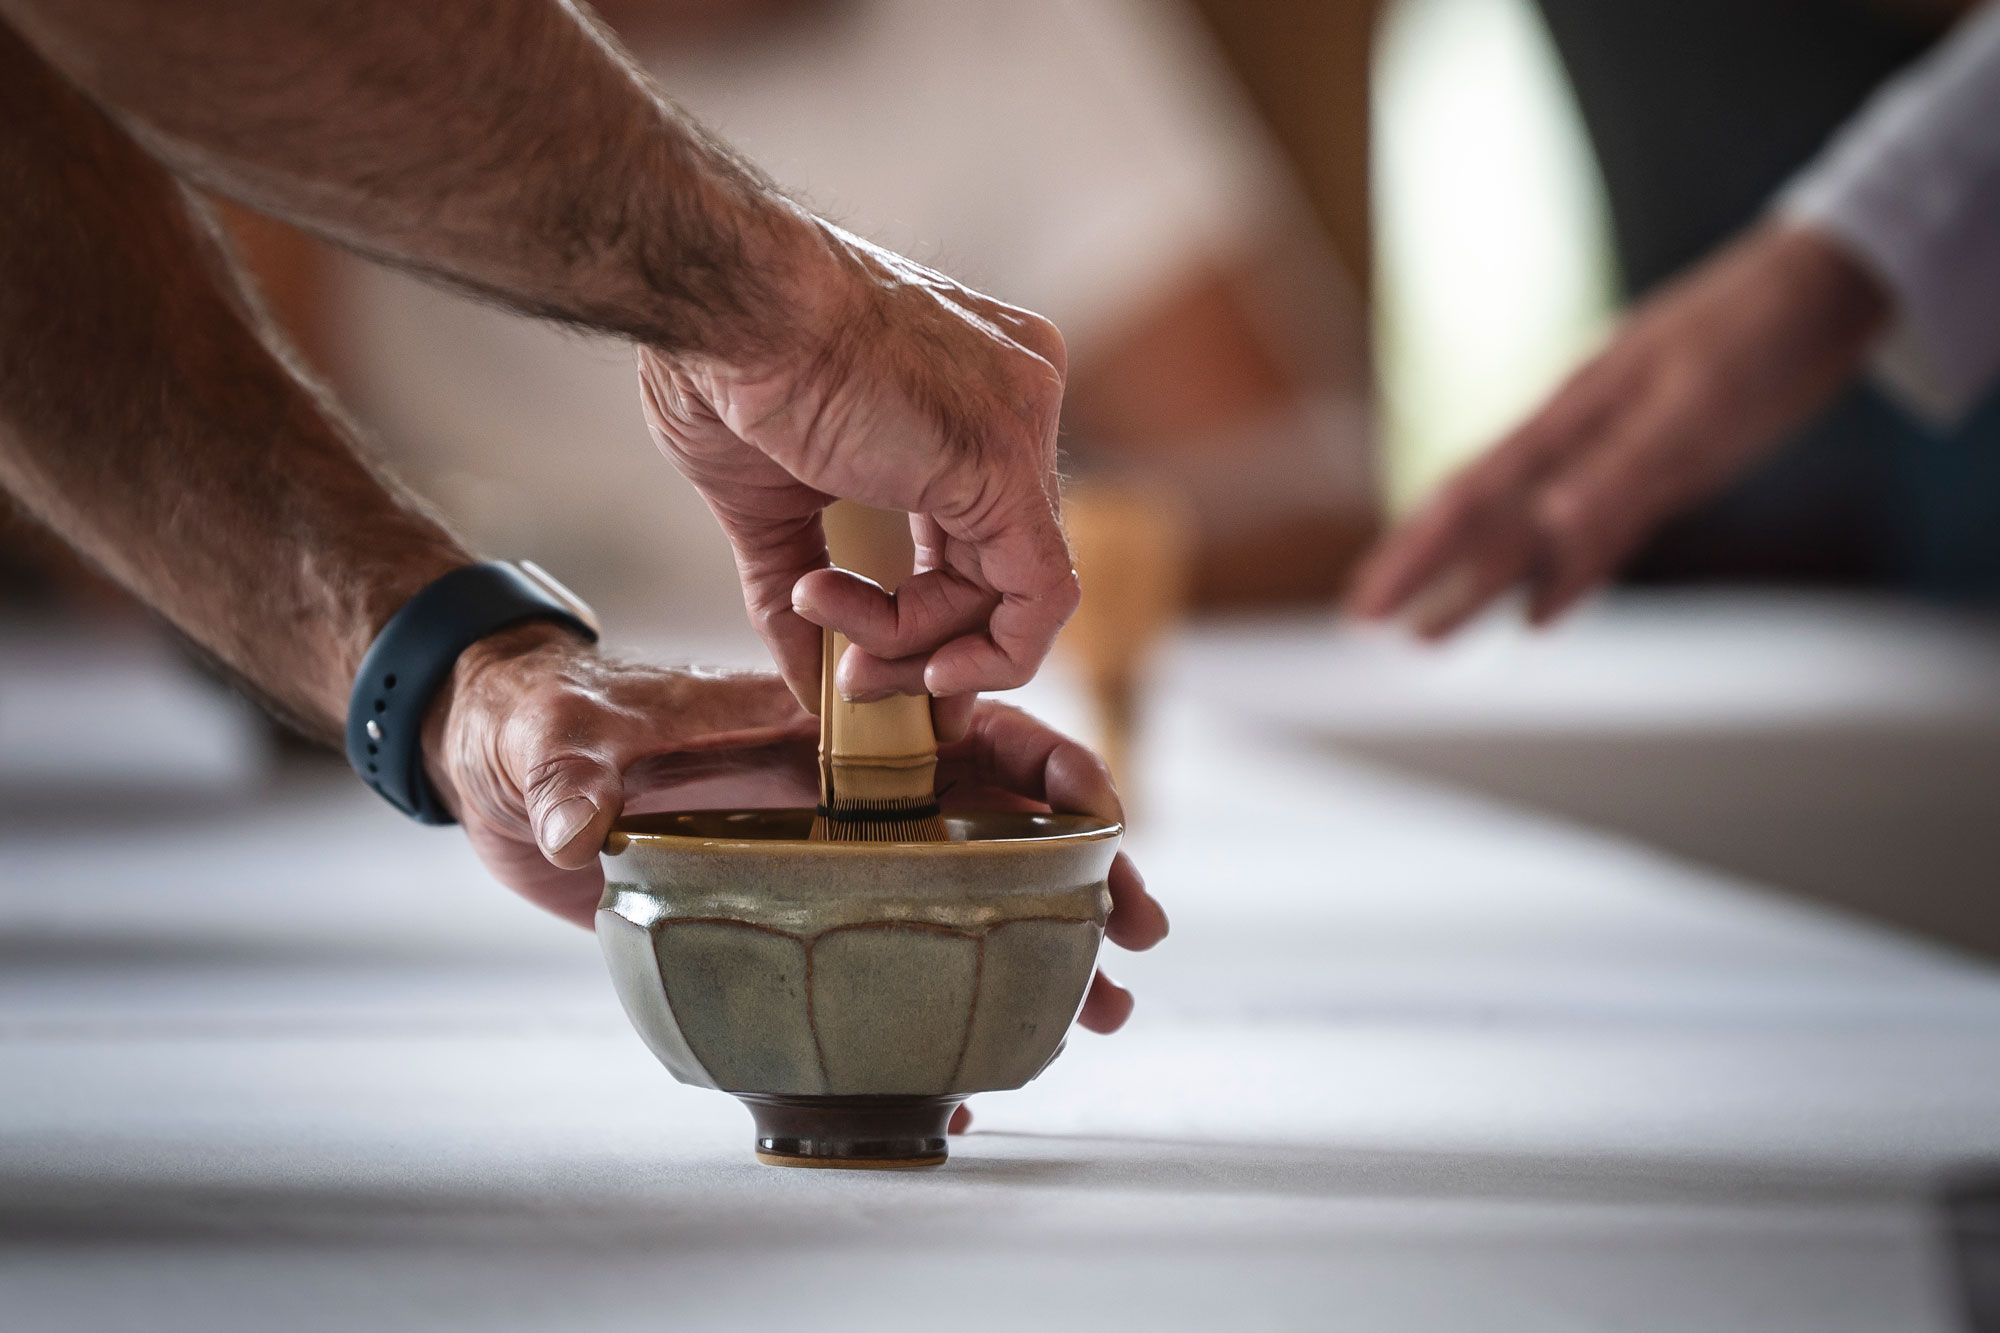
point(852, 994)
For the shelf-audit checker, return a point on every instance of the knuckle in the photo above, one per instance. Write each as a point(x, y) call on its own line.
point(1692, 381)
point(555, 737)
point(769, 608)
point(1065, 594)
point(1467, 494)
point(998, 714)
point(1567, 520)
point(560, 771)
point(1579, 534)
point(1045, 340)
point(1094, 765)
point(1063, 587)
point(1012, 674)
point(549, 716)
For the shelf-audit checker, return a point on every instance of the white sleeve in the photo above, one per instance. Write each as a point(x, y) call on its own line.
point(1912, 186)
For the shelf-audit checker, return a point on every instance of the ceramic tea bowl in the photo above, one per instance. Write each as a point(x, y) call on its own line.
point(850, 993)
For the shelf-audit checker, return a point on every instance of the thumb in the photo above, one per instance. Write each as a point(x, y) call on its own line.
point(571, 803)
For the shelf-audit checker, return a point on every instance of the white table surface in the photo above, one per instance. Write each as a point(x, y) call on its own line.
point(1657, 661)
point(1408, 1061)
point(1844, 747)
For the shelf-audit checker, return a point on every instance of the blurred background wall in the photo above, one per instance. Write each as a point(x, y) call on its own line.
point(1306, 66)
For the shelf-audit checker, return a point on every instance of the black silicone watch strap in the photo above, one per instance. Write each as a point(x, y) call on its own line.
point(413, 655)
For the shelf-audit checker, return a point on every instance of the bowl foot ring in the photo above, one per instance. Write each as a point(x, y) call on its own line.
point(855, 1133)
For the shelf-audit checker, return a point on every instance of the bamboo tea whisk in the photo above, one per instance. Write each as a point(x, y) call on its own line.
point(877, 764)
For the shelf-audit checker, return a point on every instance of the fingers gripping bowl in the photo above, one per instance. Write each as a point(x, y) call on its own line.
point(852, 994)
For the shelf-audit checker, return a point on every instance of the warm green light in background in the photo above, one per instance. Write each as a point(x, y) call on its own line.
point(1493, 248)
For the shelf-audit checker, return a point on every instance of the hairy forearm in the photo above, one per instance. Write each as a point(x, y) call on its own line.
point(147, 415)
point(504, 146)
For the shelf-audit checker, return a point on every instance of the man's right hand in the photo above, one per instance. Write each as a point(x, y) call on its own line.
point(874, 379)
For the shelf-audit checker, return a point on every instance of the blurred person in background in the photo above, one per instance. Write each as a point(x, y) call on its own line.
point(1739, 373)
point(1088, 159)
point(152, 419)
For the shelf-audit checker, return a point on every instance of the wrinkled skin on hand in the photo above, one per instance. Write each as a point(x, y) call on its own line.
point(1697, 385)
point(895, 387)
point(539, 743)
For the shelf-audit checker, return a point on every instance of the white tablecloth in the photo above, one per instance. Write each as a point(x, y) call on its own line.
point(1409, 1061)
point(1843, 747)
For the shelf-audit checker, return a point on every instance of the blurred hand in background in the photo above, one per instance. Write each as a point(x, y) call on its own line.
point(1696, 385)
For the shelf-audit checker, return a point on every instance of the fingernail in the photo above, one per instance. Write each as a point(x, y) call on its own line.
point(868, 696)
point(563, 822)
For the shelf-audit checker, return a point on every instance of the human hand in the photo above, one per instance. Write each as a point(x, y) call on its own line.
point(1699, 383)
point(881, 382)
point(537, 744)
point(1008, 760)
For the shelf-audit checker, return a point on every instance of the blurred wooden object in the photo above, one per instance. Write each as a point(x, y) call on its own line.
point(1132, 545)
point(1306, 65)
point(1191, 392)
point(1203, 388)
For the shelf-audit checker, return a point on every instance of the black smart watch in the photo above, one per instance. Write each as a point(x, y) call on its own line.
point(413, 656)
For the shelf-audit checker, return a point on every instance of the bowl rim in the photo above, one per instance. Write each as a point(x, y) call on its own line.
point(1087, 829)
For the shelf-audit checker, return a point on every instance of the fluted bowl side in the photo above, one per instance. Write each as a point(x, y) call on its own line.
point(755, 961)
